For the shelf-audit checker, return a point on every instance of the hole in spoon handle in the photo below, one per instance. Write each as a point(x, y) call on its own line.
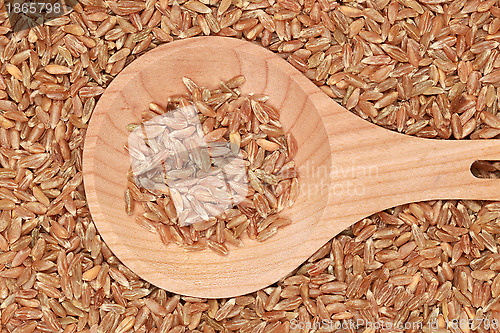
point(486, 169)
point(481, 178)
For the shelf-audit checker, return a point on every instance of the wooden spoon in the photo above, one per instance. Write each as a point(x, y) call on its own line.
point(349, 168)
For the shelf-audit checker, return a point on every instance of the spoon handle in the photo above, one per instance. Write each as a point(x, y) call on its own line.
point(442, 169)
point(397, 169)
point(374, 168)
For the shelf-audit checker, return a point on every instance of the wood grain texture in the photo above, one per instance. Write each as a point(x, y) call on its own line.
point(349, 168)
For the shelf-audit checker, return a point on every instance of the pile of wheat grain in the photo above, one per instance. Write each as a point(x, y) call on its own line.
point(427, 68)
point(210, 167)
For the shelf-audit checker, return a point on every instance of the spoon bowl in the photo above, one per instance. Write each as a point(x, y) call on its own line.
point(348, 167)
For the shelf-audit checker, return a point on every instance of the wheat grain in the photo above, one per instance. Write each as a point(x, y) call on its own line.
point(196, 198)
point(51, 81)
